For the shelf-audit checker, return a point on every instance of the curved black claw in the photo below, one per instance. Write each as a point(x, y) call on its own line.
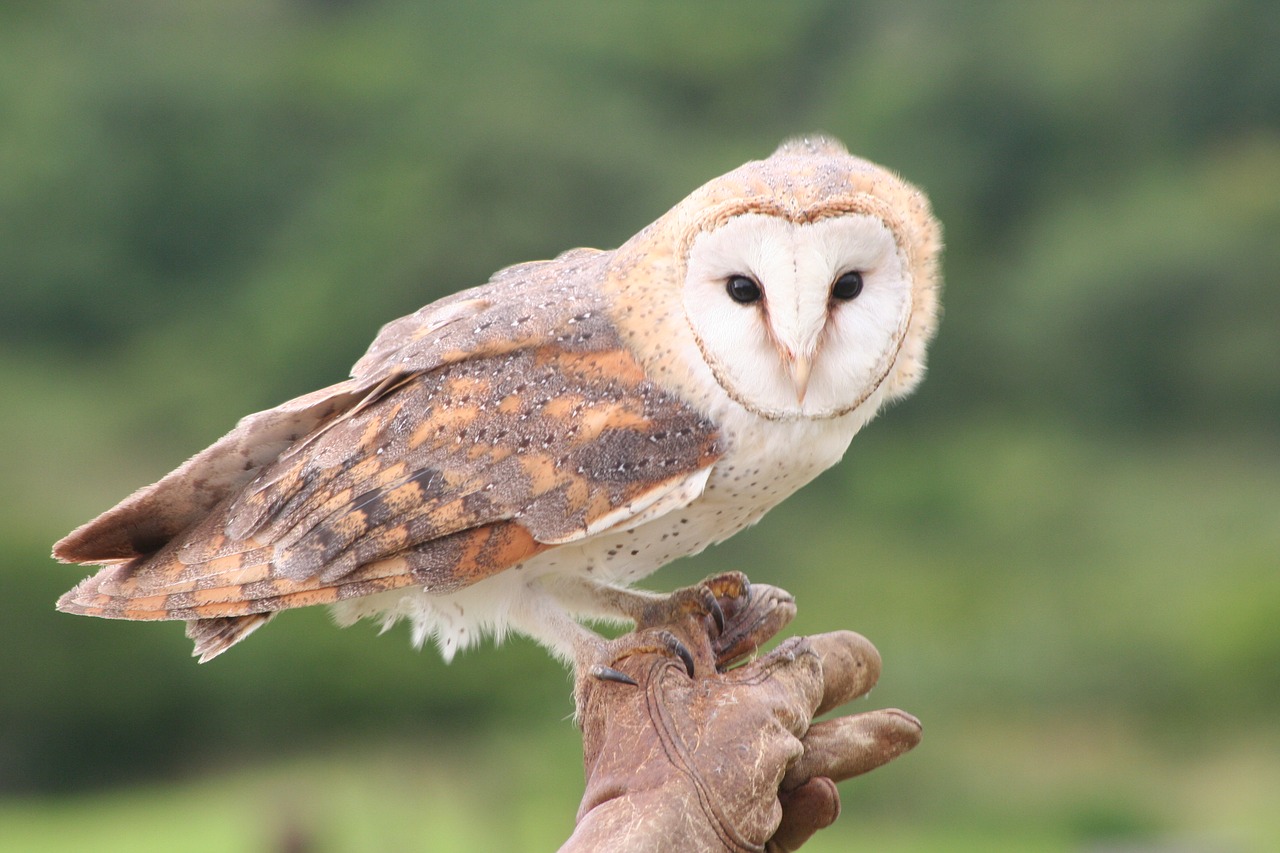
point(675, 646)
point(653, 641)
point(717, 615)
point(608, 673)
point(685, 657)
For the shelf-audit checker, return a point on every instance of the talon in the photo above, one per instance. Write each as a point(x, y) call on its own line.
point(608, 673)
point(717, 615)
point(679, 649)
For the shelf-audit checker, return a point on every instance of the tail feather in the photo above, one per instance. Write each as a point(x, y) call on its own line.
point(103, 595)
point(229, 589)
point(214, 636)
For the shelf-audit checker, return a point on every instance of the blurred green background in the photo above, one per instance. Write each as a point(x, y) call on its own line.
point(1066, 546)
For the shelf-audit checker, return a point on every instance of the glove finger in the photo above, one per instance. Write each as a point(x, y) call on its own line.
point(850, 667)
point(810, 675)
point(785, 684)
point(850, 746)
point(813, 806)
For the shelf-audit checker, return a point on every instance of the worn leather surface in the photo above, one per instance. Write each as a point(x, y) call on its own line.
point(727, 760)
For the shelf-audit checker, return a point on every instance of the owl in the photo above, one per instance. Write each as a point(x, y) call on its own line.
point(515, 456)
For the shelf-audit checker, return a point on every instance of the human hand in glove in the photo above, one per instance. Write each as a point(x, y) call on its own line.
point(726, 760)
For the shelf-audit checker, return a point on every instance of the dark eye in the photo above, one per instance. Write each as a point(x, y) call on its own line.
point(847, 286)
point(742, 289)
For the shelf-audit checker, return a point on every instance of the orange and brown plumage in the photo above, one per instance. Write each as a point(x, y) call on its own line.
point(518, 453)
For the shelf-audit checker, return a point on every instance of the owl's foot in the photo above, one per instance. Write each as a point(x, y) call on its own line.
point(597, 660)
point(692, 602)
point(648, 642)
point(734, 615)
point(707, 627)
point(751, 620)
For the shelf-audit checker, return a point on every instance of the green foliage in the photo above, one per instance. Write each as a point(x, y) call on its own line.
point(1065, 546)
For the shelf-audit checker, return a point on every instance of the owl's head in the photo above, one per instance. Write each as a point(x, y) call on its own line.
point(809, 280)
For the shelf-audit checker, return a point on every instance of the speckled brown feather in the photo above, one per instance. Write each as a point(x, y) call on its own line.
point(474, 434)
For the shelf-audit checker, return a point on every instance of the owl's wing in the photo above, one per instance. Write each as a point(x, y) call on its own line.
point(487, 428)
point(143, 522)
point(154, 514)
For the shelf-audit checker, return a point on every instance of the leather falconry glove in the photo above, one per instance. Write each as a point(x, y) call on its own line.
point(727, 760)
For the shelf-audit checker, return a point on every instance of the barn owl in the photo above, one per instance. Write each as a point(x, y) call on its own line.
point(515, 456)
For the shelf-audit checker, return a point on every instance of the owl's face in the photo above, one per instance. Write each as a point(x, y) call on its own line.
point(799, 319)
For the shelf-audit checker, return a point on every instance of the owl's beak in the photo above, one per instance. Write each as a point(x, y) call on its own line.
point(800, 367)
point(798, 364)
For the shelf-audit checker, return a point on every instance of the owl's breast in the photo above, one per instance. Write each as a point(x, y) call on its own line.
point(762, 466)
point(770, 461)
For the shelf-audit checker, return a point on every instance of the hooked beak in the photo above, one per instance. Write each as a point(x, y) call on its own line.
point(799, 366)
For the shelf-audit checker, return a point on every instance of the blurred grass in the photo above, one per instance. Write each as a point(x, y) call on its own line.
point(517, 790)
point(511, 792)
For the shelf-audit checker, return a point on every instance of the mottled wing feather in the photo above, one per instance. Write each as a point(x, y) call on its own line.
point(518, 307)
point(518, 423)
point(155, 514)
point(126, 592)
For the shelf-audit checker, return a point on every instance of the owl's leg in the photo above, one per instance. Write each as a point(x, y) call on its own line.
point(543, 617)
point(597, 600)
point(739, 616)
